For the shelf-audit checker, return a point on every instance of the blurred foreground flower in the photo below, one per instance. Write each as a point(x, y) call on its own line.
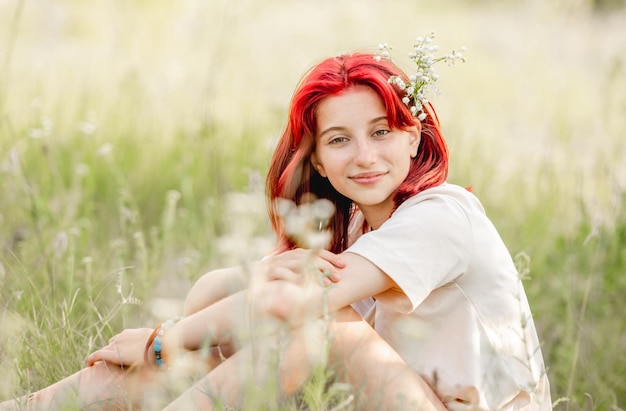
point(307, 223)
point(248, 237)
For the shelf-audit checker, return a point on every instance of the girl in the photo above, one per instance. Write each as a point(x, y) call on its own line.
point(428, 311)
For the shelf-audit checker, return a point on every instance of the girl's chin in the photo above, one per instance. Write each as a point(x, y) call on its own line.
point(370, 202)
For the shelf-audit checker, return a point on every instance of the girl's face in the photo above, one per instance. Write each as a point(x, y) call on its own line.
point(360, 155)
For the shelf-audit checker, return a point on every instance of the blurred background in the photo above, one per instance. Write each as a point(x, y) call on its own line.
point(135, 136)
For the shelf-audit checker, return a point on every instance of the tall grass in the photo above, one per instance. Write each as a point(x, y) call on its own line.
point(134, 137)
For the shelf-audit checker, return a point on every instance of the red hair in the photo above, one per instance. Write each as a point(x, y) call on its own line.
point(291, 174)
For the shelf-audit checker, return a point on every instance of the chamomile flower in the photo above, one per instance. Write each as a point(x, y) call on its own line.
point(307, 223)
point(424, 80)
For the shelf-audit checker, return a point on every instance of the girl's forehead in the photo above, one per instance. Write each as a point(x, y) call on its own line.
point(353, 108)
point(350, 98)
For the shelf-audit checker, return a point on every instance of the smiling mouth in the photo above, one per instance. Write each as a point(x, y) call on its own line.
point(367, 178)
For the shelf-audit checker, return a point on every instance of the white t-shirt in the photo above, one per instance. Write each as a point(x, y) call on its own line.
point(460, 317)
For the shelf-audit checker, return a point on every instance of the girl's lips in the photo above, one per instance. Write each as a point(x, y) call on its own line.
point(367, 178)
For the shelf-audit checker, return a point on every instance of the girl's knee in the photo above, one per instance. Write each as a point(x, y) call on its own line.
point(347, 314)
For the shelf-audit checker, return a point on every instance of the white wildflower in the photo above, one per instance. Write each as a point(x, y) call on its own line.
point(307, 223)
point(104, 150)
point(323, 208)
point(35, 133)
point(87, 128)
point(81, 169)
point(425, 78)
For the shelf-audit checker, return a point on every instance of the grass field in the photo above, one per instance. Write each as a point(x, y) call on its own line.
point(134, 138)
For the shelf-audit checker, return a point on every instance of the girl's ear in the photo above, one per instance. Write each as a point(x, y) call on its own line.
point(415, 136)
point(317, 165)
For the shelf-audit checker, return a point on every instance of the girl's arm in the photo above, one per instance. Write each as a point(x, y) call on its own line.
point(212, 287)
point(214, 325)
point(279, 292)
point(227, 312)
point(215, 285)
point(290, 301)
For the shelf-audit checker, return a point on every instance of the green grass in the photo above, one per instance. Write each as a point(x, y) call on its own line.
point(133, 137)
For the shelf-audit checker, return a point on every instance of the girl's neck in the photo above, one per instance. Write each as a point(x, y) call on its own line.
point(376, 216)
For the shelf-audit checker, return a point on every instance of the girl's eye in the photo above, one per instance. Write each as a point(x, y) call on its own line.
point(380, 133)
point(337, 140)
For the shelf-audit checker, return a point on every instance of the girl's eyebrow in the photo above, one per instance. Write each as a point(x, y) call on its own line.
point(339, 128)
point(377, 119)
point(329, 129)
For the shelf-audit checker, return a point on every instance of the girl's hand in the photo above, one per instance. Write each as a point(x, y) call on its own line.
point(126, 348)
point(290, 265)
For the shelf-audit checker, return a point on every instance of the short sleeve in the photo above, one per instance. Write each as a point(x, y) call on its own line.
point(425, 244)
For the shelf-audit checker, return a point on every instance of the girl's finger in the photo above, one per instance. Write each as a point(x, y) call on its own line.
point(327, 279)
point(112, 356)
point(95, 357)
point(282, 273)
point(334, 259)
point(329, 274)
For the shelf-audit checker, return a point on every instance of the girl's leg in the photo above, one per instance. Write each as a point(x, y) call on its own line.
point(101, 386)
point(106, 386)
point(385, 382)
point(357, 354)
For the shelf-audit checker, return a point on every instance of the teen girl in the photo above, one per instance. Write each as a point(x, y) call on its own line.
point(426, 308)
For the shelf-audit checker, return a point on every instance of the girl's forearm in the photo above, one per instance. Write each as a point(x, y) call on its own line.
point(267, 308)
point(211, 326)
point(278, 303)
point(212, 287)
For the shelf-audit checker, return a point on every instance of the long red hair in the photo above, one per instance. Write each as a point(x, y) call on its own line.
point(291, 174)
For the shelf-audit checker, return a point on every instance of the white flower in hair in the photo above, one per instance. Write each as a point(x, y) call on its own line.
point(424, 79)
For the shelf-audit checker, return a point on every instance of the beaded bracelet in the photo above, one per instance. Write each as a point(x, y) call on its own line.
point(156, 339)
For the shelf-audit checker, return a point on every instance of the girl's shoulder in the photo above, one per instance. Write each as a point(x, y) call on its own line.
point(447, 192)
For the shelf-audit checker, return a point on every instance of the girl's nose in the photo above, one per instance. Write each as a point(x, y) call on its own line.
point(365, 153)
